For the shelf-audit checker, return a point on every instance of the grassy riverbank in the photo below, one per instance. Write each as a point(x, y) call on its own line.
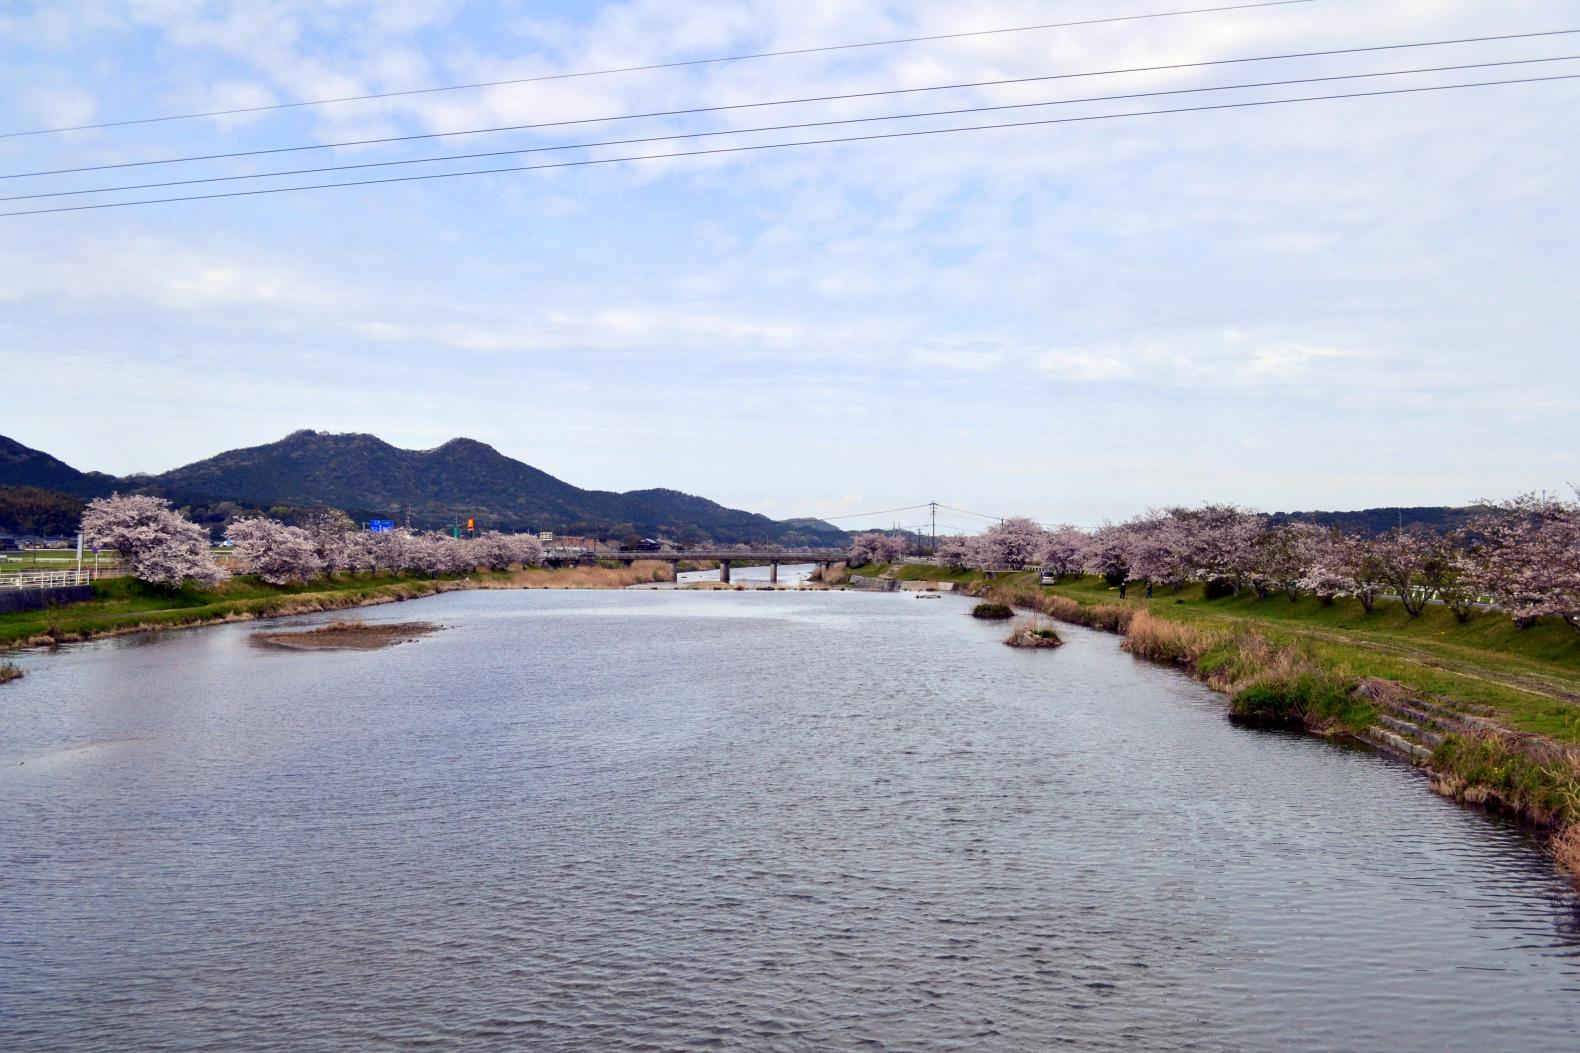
point(122, 605)
point(1528, 678)
point(1492, 710)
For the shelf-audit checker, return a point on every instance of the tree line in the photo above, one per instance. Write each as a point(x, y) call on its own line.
point(1521, 556)
point(158, 545)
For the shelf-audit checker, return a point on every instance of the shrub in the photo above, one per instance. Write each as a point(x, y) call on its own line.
point(1307, 698)
point(1219, 588)
point(992, 611)
point(9, 672)
point(1492, 768)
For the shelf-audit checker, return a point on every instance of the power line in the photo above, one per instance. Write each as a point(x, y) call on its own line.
point(967, 511)
point(656, 66)
point(780, 146)
point(865, 515)
point(782, 127)
point(537, 126)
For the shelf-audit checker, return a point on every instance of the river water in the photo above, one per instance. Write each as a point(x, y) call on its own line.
point(745, 821)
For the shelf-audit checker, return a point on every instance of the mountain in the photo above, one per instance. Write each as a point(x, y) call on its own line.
point(369, 478)
point(21, 466)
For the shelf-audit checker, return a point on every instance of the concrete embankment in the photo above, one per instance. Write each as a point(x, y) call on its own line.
point(13, 600)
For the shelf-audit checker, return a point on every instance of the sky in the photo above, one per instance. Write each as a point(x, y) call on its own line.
point(1336, 304)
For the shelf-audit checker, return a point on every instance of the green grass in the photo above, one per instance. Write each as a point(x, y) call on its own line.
point(1529, 677)
point(918, 572)
point(1547, 792)
point(1308, 699)
point(124, 602)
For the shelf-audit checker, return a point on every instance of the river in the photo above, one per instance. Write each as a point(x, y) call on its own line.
point(731, 820)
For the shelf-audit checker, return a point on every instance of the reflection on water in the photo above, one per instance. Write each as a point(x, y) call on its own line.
point(761, 821)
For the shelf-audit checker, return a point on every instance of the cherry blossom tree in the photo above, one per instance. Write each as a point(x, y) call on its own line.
point(1214, 542)
point(277, 553)
point(1530, 558)
point(1064, 550)
point(1403, 557)
point(154, 541)
point(1280, 559)
point(1451, 571)
point(330, 531)
point(390, 550)
point(956, 553)
point(1108, 552)
point(496, 551)
point(362, 551)
point(1366, 573)
point(1157, 551)
point(526, 550)
point(875, 547)
point(1010, 545)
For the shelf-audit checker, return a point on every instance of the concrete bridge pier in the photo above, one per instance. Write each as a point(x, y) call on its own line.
point(822, 570)
point(674, 570)
point(773, 572)
point(724, 571)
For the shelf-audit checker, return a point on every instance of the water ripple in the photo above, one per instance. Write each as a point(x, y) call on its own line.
point(742, 821)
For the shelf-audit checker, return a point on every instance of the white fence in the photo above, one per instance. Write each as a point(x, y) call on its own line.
point(54, 579)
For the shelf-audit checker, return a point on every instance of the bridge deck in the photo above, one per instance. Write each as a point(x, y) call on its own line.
point(790, 555)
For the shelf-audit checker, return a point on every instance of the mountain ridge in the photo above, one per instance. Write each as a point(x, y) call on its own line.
point(368, 477)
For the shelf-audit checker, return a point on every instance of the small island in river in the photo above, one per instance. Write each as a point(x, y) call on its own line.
point(348, 635)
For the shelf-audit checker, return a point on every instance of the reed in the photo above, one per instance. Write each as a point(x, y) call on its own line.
point(1150, 637)
point(1565, 847)
point(1035, 631)
point(641, 572)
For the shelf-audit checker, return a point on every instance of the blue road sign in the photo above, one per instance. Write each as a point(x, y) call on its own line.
point(381, 526)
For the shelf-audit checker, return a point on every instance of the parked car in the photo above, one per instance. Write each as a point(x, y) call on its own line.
point(1048, 577)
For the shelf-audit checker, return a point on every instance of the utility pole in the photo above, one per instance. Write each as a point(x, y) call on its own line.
point(933, 505)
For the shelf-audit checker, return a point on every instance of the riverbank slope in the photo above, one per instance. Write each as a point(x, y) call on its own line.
point(124, 605)
point(1490, 710)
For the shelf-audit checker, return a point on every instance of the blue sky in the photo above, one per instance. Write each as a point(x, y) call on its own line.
point(1335, 304)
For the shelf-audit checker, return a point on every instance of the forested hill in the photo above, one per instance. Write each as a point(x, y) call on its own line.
point(1380, 520)
point(22, 466)
point(369, 478)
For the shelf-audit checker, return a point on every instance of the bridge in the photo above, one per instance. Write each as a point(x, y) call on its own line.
point(774, 557)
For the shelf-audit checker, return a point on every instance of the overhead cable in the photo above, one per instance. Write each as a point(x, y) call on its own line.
point(238, 110)
point(540, 125)
point(760, 147)
point(961, 111)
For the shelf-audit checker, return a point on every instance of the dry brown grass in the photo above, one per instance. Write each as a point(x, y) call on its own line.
point(9, 672)
point(642, 572)
point(837, 574)
point(1106, 617)
point(1035, 631)
point(348, 634)
point(1151, 637)
point(1566, 849)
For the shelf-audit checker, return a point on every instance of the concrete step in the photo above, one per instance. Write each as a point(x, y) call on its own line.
point(1394, 743)
point(1415, 732)
point(1467, 715)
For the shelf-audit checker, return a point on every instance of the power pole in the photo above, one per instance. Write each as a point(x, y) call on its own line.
point(933, 505)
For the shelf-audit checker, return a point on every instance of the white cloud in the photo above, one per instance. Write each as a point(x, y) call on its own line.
point(1311, 264)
